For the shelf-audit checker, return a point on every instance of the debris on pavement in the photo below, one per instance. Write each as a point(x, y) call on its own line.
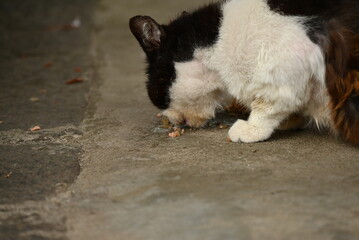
point(36, 128)
point(42, 91)
point(8, 175)
point(78, 70)
point(177, 130)
point(222, 126)
point(34, 99)
point(76, 23)
point(48, 64)
point(1, 122)
point(74, 80)
point(174, 130)
point(174, 134)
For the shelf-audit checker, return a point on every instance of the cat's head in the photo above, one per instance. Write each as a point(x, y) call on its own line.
point(177, 83)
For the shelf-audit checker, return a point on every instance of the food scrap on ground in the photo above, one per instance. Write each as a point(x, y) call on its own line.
point(8, 175)
point(42, 91)
point(48, 64)
point(36, 128)
point(74, 80)
point(34, 99)
point(174, 134)
point(76, 23)
point(175, 131)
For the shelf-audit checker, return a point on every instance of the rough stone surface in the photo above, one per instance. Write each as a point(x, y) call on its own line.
point(34, 175)
point(137, 183)
point(40, 51)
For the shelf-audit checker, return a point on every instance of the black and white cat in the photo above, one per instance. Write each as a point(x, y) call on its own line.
point(276, 57)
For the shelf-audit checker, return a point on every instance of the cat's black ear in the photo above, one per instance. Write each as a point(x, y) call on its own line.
point(147, 32)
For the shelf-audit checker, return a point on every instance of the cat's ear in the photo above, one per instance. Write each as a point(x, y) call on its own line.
point(147, 32)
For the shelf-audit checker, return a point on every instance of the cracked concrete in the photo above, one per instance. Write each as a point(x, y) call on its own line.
point(38, 56)
point(136, 183)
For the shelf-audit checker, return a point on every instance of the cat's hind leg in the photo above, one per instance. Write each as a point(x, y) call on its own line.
point(263, 120)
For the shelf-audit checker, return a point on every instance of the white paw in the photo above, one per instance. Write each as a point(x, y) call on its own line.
point(242, 131)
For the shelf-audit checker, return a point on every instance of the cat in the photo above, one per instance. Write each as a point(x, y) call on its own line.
point(275, 57)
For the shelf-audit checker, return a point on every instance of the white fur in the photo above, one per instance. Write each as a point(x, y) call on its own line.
point(264, 60)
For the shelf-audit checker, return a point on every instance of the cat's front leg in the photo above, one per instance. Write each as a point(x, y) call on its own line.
point(262, 122)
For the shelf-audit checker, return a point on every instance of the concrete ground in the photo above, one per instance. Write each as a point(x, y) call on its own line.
point(102, 168)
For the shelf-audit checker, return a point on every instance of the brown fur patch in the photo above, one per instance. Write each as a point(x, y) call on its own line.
point(356, 82)
point(293, 122)
point(342, 80)
point(236, 107)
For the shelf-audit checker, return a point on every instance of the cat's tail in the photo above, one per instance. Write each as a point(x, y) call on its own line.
point(342, 79)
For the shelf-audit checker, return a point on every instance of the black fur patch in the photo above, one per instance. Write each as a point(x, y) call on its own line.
point(303, 7)
point(182, 36)
point(318, 11)
point(355, 102)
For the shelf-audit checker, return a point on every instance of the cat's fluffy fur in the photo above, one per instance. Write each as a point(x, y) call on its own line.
point(276, 57)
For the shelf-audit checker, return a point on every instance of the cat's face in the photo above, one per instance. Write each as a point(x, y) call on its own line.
point(160, 70)
point(178, 83)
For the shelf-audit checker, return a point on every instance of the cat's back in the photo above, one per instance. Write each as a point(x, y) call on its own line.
point(253, 34)
point(261, 52)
